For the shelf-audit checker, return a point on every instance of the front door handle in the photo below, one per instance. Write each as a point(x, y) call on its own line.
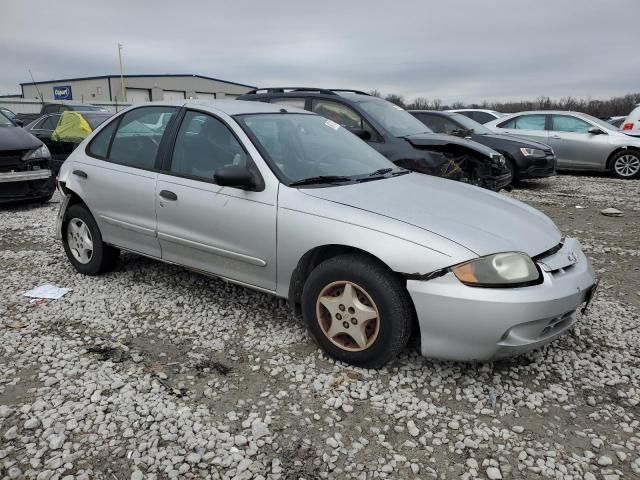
point(556, 137)
point(167, 195)
point(80, 173)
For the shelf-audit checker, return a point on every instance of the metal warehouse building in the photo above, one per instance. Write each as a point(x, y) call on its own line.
point(137, 88)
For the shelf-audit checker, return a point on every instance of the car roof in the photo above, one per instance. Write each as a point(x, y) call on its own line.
point(230, 107)
point(356, 96)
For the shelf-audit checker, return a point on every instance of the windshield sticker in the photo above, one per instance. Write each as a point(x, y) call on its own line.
point(332, 124)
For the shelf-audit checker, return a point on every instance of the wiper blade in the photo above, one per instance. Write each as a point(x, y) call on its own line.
point(320, 179)
point(380, 171)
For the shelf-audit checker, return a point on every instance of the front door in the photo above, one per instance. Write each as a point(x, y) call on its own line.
point(574, 146)
point(225, 231)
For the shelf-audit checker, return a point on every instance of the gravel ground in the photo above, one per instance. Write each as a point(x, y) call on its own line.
point(155, 372)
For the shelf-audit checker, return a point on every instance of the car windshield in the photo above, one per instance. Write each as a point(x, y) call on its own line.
point(470, 124)
point(601, 123)
point(393, 118)
point(4, 121)
point(8, 113)
point(303, 147)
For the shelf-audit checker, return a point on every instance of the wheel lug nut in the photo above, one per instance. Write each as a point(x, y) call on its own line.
point(345, 324)
point(352, 310)
point(354, 321)
point(338, 316)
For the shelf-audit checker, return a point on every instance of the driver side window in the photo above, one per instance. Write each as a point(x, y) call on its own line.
point(343, 115)
point(203, 145)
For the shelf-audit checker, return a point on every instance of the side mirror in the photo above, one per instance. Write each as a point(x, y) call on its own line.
point(238, 177)
point(362, 133)
point(596, 131)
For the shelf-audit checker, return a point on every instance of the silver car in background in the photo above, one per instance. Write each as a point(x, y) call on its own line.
point(580, 141)
point(289, 203)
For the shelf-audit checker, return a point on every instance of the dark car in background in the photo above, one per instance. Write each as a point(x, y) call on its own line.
point(11, 116)
point(396, 134)
point(59, 145)
point(58, 107)
point(25, 165)
point(525, 158)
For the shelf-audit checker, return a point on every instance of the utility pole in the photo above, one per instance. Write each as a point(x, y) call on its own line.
point(123, 92)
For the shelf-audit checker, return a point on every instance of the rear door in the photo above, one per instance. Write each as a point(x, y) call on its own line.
point(225, 231)
point(574, 146)
point(531, 126)
point(117, 178)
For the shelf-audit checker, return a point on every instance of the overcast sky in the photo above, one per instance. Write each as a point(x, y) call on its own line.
point(468, 50)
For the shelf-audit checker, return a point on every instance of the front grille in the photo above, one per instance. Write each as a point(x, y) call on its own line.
point(557, 324)
point(11, 160)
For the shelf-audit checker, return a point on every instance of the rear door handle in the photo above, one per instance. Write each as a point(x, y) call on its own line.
point(80, 173)
point(167, 195)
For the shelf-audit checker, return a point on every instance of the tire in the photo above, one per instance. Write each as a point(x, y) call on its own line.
point(377, 290)
point(101, 258)
point(511, 166)
point(625, 164)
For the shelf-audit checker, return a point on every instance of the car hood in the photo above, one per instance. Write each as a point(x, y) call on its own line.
point(16, 138)
point(504, 139)
point(475, 218)
point(438, 139)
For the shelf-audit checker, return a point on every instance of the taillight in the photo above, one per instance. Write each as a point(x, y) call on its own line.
point(627, 126)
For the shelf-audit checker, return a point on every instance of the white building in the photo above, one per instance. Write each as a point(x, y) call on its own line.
point(137, 88)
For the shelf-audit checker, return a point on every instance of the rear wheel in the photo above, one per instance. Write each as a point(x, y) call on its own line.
point(357, 310)
point(626, 164)
point(512, 170)
point(83, 243)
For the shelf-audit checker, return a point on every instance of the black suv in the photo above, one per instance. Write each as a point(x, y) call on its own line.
point(396, 134)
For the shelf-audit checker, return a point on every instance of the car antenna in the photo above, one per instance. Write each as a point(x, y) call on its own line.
point(37, 89)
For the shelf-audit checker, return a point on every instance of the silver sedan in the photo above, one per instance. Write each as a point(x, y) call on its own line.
point(580, 141)
point(292, 204)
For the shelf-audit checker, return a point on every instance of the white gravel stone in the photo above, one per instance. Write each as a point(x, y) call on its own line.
point(604, 461)
point(493, 473)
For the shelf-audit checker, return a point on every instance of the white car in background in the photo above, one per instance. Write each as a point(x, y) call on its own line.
point(480, 115)
point(631, 124)
point(580, 141)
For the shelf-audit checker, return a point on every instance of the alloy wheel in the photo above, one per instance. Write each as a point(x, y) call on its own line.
point(627, 165)
point(80, 241)
point(348, 316)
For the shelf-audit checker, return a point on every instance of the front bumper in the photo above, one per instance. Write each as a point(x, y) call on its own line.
point(26, 185)
point(464, 323)
point(539, 168)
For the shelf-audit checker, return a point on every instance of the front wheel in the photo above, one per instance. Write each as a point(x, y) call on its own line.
point(357, 310)
point(83, 243)
point(626, 164)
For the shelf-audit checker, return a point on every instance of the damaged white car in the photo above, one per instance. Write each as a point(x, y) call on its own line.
point(289, 203)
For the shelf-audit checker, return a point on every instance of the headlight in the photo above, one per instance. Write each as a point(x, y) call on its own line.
point(41, 152)
point(509, 269)
point(532, 152)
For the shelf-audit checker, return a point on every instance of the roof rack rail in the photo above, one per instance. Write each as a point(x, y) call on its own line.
point(289, 89)
point(359, 92)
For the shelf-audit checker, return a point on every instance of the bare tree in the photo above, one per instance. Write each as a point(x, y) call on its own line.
point(375, 93)
point(396, 99)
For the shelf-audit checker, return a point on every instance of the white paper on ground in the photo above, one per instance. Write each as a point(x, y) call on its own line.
point(47, 291)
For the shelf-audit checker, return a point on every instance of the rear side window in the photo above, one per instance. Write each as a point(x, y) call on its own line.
point(481, 117)
point(525, 122)
point(49, 123)
point(137, 137)
point(566, 123)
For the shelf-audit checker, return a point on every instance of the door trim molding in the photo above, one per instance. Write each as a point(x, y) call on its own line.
point(213, 250)
point(128, 226)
